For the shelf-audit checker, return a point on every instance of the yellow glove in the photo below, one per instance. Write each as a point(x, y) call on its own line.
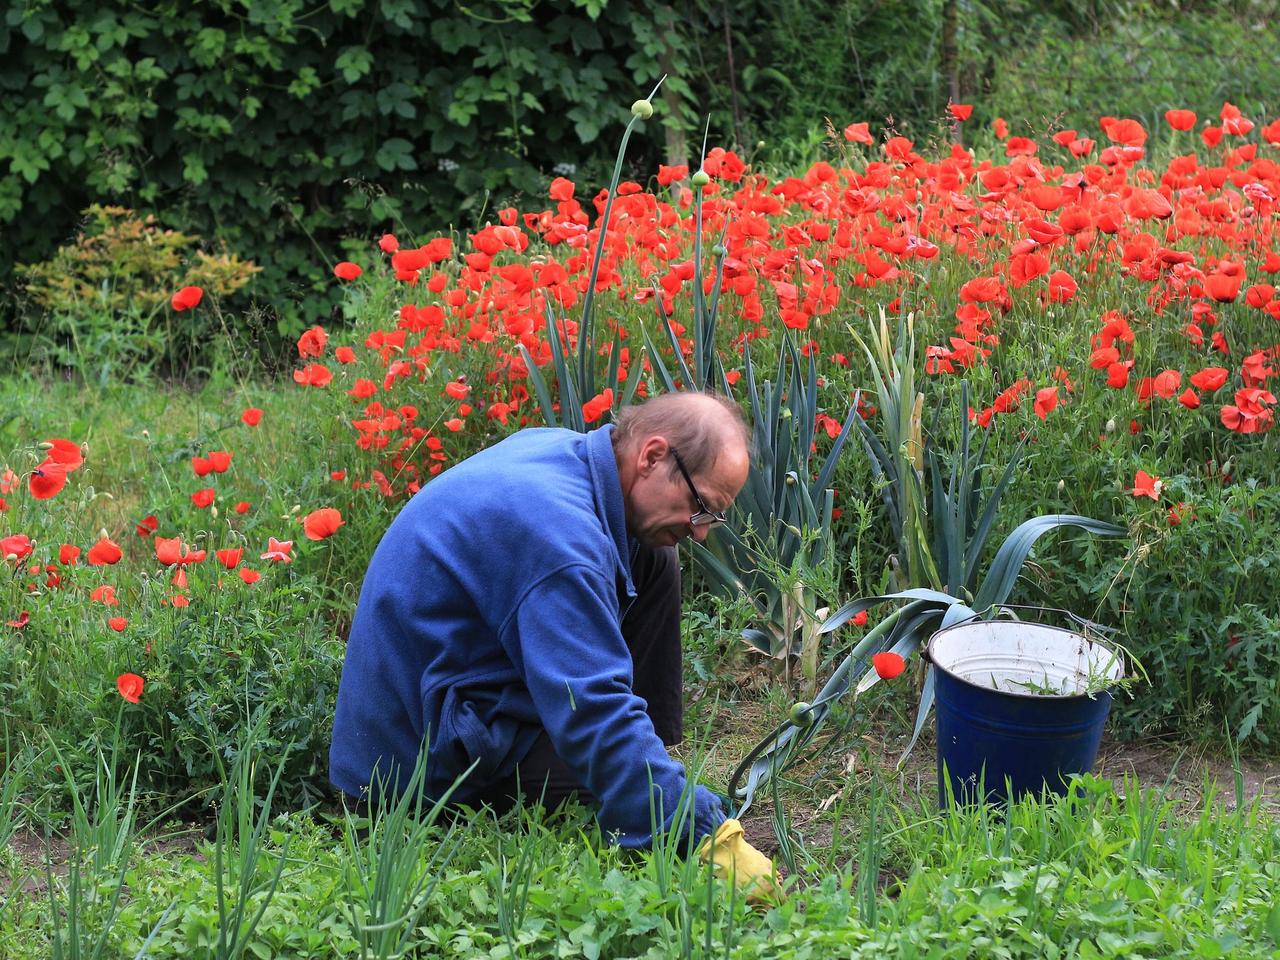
point(734, 859)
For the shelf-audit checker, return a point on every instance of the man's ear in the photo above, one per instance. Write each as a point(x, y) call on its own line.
point(652, 452)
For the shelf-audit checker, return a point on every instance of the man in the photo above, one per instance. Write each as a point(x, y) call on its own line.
point(522, 614)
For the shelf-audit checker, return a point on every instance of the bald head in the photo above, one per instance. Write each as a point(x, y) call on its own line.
point(699, 425)
point(708, 435)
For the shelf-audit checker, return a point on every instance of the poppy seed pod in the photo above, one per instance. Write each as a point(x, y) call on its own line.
point(642, 109)
point(700, 179)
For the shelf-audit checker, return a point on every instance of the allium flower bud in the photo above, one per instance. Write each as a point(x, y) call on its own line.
point(642, 109)
point(700, 179)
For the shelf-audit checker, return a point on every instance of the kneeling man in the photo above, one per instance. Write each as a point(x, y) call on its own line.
point(522, 617)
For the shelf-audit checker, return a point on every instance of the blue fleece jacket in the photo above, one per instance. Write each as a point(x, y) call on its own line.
point(491, 611)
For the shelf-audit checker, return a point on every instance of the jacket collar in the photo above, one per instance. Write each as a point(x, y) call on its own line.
point(608, 489)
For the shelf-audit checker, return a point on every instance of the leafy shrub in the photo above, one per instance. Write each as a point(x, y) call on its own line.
point(1197, 600)
point(101, 305)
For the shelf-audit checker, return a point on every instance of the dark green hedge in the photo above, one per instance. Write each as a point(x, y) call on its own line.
point(281, 126)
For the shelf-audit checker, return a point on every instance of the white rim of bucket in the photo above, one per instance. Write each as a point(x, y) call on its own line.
point(1004, 624)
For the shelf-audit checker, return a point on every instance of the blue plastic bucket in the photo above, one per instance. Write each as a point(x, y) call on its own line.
point(1020, 707)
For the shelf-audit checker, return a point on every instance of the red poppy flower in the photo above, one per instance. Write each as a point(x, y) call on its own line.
point(147, 525)
point(47, 480)
point(278, 550)
point(1180, 119)
point(321, 524)
point(188, 298)
point(344, 355)
point(389, 243)
point(1062, 286)
point(1046, 400)
point(68, 554)
point(220, 460)
point(178, 600)
point(888, 665)
point(171, 550)
point(118, 624)
point(242, 507)
point(104, 552)
point(457, 390)
point(249, 576)
point(1189, 399)
point(251, 416)
point(229, 557)
point(313, 375)
point(454, 424)
point(960, 111)
point(23, 619)
point(1223, 287)
point(597, 406)
point(130, 686)
point(63, 452)
point(859, 619)
point(1145, 485)
point(202, 466)
point(312, 342)
point(203, 498)
point(105, 595)
point(858, 133)
point(1209, 379)
point(346, 270)
point(16, 546)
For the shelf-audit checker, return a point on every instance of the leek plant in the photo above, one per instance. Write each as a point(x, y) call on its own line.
point(941, 522)
point(778, 545)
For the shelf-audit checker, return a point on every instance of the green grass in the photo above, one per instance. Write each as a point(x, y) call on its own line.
point(1112, 871)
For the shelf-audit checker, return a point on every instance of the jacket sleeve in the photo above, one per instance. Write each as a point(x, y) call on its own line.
point(564, 638)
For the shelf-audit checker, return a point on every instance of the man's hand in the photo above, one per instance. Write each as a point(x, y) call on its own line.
point(734, 859)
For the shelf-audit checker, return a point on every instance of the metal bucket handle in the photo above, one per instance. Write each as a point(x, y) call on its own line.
point(1085, 624)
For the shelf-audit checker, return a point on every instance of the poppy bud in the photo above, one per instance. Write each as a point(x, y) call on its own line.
point(700, 179)
point(794, 530)
point(642, 109)
point(296, 508)
point(1226, 467)
point(213, 511)
point(146, 434)
point(1111, 425)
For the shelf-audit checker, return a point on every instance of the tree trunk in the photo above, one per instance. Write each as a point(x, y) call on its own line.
point(950, 59)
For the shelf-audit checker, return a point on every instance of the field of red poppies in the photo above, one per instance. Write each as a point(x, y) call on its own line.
point(183, 563)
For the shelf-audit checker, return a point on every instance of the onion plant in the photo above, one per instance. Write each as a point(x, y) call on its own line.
point(389, 881)
point(577, 381)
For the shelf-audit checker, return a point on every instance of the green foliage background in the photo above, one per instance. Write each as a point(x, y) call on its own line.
point(283, 129)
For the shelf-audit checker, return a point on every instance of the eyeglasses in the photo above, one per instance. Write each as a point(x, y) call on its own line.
point(705, 516)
